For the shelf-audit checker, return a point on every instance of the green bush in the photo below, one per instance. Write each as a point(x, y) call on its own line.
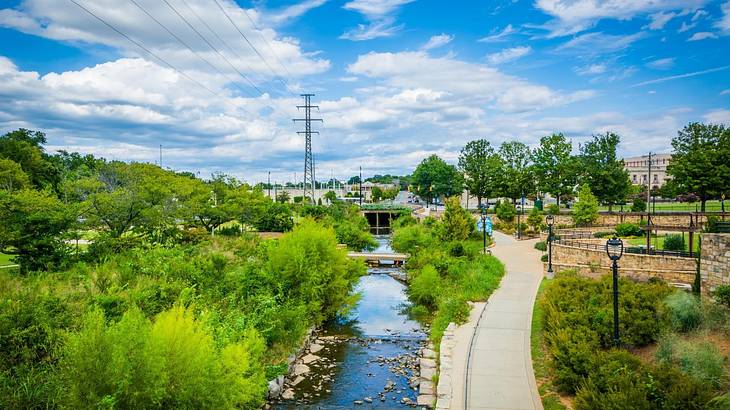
point(721, 294)
point(627, 229)
point(544, 258)
point(585, 211)
point(684, 311)
point(674, 242)
point(412, 237)
point(553, 209)
point(604, 234)
point(639, 205)
point(541, 246)
point(534, 219)
point(701, 361)
point(425, 287)
point(506, 212)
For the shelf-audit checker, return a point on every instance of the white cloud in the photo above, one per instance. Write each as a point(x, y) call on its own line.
point(294, 11)
point(496, 36)
point(381, 23)
point(508, 54)
point(679, 76)
point(660, 19)
point(437, 41)
point(593, 44)
point(661, 64)
point(702, 35)
point(724, 23)
point(725, 92)
point(592, 69)
point(718, 116)
point(574, 16)
point(686, 27)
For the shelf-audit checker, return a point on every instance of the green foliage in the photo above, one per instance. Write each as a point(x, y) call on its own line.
point(412, 238)
point(482, 169)
point(722, 295)
point(628, 229)
point(12, 177)
point(638, 205)
point(506, 211)
point(330, 196)
point(434, 178)
point(276, 218)
point(674, 242)
point(553, 209)
point(684, 311)
point(24, 147)
point(425, 287)
point(534, 219)
point(517, 174)
point(555, 168)
point(457, 222)
point(172, 362)
point(585, 211)
point(699, 161)
point(603, 171)
point(701, 361)
point(541, 246)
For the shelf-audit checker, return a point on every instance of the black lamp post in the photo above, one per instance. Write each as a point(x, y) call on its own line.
point(484, 229)
point(614, 249)
point(549, 220)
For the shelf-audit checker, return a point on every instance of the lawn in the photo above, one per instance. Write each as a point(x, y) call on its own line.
point(6, 259)
point(658, 242)
point(710, 206)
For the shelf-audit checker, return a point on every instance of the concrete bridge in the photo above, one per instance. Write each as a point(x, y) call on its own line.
point(379, 259)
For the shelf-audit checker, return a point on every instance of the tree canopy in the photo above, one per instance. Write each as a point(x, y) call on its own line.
point(517, 173)
point(603, 171)
point(434, 178)
point(482, 169)
point(555, 167)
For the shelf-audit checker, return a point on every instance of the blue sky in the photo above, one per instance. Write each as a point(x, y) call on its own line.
point(396, 80)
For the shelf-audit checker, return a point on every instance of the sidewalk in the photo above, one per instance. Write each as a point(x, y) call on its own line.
point(500, 374)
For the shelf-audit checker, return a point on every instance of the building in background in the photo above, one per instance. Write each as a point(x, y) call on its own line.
point(638, 168)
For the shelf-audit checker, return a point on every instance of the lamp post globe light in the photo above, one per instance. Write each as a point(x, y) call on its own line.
point(549, 220)
point(615, 249)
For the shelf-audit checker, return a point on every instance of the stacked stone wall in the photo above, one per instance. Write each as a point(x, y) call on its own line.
point(715, 260)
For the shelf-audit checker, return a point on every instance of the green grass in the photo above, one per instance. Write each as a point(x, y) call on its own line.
point(6, 260)
point(710, 206)
point(658, 242)
point(550, 399)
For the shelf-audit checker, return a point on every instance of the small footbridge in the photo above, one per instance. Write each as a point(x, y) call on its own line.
point(380, 259)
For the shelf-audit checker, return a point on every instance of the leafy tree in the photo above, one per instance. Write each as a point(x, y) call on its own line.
point(506, 211)
point(330, 196)
point(457, 223)
point(482, 169)
point(700, 160)
point(284, 197)
point(434, 178)
point(555, 167)
point(353, 180)
point(585, 211)
point(376, 193)
point(603, 171)
point(534, 219)
point(390, 193)
point(12, 176)
point(517, 174)
point(275, 218)
point(33, 222)
point(24, 147)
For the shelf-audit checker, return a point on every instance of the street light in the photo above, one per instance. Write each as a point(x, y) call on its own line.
point(484, 229)
point(549, 220)
point(614, 249)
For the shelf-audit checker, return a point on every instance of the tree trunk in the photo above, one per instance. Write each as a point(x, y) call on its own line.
point(557, 197)
point(479, 201)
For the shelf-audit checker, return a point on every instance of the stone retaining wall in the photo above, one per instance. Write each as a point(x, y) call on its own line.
point(615, 218)
point(715, 263)
point(445, 386)
point(595, 263)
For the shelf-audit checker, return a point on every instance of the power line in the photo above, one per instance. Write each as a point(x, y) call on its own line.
point(217, 36)
point(252, 46)
point(210, 45)
point(162, 60)
point(273, 52)
point(181, 41)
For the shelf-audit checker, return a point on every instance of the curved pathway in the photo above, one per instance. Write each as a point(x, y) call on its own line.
point(496, 341)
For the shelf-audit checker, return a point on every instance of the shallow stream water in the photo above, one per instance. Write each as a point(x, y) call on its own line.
point(374, 347)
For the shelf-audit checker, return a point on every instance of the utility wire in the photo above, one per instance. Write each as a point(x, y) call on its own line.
point(181, 41)
point(260, 32)
point(252, 46)
point(209, 44)
point(220, 39)
point(162, 60)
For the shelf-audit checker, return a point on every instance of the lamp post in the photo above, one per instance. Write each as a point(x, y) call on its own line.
point(484, 229)
point(614, 249)
point(550, 220)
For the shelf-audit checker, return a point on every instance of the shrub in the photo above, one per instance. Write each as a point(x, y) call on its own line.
point(425, 287)
point(541, 246)
point(506, 211)
point(585, 211)
point(544, 258)
point(457, 222)
point(684, 311)
point(701, 361)
point(534, 219)
point(410, 238)
point(674, 242)
point(604, 234)
point(639, 205)
point(553, 209)
point(722, 295)
point(628, 229)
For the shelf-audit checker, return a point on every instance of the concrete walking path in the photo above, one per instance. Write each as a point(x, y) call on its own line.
point(496, 340)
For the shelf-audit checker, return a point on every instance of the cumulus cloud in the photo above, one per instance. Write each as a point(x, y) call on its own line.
point(509, 54)
point(718, 116)
point(437, 41)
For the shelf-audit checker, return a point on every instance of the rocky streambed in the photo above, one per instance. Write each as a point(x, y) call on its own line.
point(377, 357)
